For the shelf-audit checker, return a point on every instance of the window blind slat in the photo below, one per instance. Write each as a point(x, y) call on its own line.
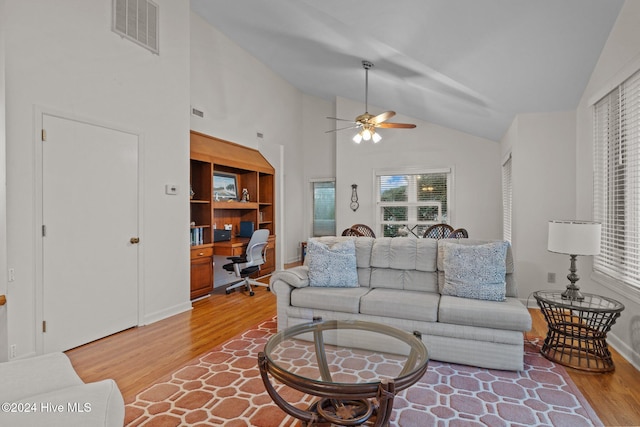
point(507, 199)
point(617, 181)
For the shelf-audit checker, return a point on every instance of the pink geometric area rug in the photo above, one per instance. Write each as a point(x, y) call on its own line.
point(224, 388)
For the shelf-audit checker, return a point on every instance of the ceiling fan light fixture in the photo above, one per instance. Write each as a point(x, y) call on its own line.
point(367, 123)
point(367, 133)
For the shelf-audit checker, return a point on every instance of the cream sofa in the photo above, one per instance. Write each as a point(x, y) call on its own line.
point(400, 280)
point(46, 391)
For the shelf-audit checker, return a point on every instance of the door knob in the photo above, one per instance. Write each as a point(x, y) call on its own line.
point(134, 240)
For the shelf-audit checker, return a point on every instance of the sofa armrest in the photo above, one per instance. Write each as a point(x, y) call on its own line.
point(298, 276)
point(282, 283)
point(40, 374)
point(98, 404)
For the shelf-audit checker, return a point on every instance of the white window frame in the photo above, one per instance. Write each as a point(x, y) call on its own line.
point(312, 183)
point(507, 197)
point(412, 202)
point(607, 270)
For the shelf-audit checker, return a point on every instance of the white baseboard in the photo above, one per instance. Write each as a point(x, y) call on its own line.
point(168, 312)
point(625, 351)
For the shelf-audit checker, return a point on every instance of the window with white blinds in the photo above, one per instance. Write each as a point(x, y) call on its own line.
point(617, 182)
point(507, 199)
point(408, 203)
point(324, 208)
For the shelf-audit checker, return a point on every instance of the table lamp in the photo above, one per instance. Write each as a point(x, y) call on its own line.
point(574, 238)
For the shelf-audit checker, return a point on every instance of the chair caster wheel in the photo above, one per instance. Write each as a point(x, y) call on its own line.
point(251, 293)
point(228, 291)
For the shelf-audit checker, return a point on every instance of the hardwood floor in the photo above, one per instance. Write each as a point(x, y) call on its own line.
point(138, 357)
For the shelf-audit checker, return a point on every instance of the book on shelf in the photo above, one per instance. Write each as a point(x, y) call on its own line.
point(197, 236)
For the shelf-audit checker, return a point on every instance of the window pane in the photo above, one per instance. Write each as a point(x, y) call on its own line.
point(433, 188)
point(410, 203)
point(395, 213)
point(393, 188)
point(429, 213)
point(324, 208)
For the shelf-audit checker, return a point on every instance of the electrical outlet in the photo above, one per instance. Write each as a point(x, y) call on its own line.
point(551, 277)
point(12, 351)
point(12, 274)
point(171, 189)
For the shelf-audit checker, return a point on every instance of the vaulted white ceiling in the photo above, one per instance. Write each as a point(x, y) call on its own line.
point(470, 65)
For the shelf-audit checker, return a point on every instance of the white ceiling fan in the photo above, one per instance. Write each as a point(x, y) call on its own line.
point(368, 122)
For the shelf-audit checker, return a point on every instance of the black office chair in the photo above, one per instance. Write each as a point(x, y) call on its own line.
point(244, 266)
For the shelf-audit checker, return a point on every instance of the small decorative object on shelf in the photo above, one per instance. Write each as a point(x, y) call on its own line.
point(191, 192)
point(354, 197)
point(245, 195)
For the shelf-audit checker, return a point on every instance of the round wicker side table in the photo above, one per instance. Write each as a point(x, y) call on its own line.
point(577, 330)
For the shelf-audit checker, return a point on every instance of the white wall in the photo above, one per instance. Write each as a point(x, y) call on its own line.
point(63, 56)
point(319, 153)
point(619, 59)
point(477, 197)
point(542, 146)
point(240, 97)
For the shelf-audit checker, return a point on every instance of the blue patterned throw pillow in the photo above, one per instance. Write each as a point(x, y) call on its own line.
point(332, 266)
point(476, 271)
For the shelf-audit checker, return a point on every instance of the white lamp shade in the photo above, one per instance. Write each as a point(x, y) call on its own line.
point(574, 237)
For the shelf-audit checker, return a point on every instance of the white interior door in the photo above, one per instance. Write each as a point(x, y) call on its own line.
point(90, 215)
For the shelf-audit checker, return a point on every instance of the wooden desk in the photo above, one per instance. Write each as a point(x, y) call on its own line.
point(234, 247)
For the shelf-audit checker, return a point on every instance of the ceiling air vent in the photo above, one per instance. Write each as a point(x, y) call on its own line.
point(137, 20)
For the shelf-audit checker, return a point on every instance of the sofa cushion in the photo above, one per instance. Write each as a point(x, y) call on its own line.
point(412, 280)
point(332, 265)
point(476, 271)
point(363, 248)
point(401, 253)
point(412, 305)
point(510, 314)
point(336, 299)
point(512, 288)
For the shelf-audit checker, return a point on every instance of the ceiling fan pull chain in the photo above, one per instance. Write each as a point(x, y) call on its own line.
point(366, 90)
point(366, 65)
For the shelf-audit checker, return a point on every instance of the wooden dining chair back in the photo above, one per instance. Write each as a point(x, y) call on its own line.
point(459, 233)
point(365, 230)
point(438, 231)
point(352, 232)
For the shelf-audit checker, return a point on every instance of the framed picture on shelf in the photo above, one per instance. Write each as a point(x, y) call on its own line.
point(225, 186)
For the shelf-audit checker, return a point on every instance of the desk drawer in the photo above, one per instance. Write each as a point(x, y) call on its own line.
point(201, 252)
point(238, 251)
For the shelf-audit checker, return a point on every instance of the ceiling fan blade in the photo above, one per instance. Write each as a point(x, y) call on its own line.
point(383, 117)
point(396, 125)
point(342, 120)
point(348, 127)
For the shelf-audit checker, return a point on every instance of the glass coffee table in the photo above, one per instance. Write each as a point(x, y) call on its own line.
point(355, 368)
